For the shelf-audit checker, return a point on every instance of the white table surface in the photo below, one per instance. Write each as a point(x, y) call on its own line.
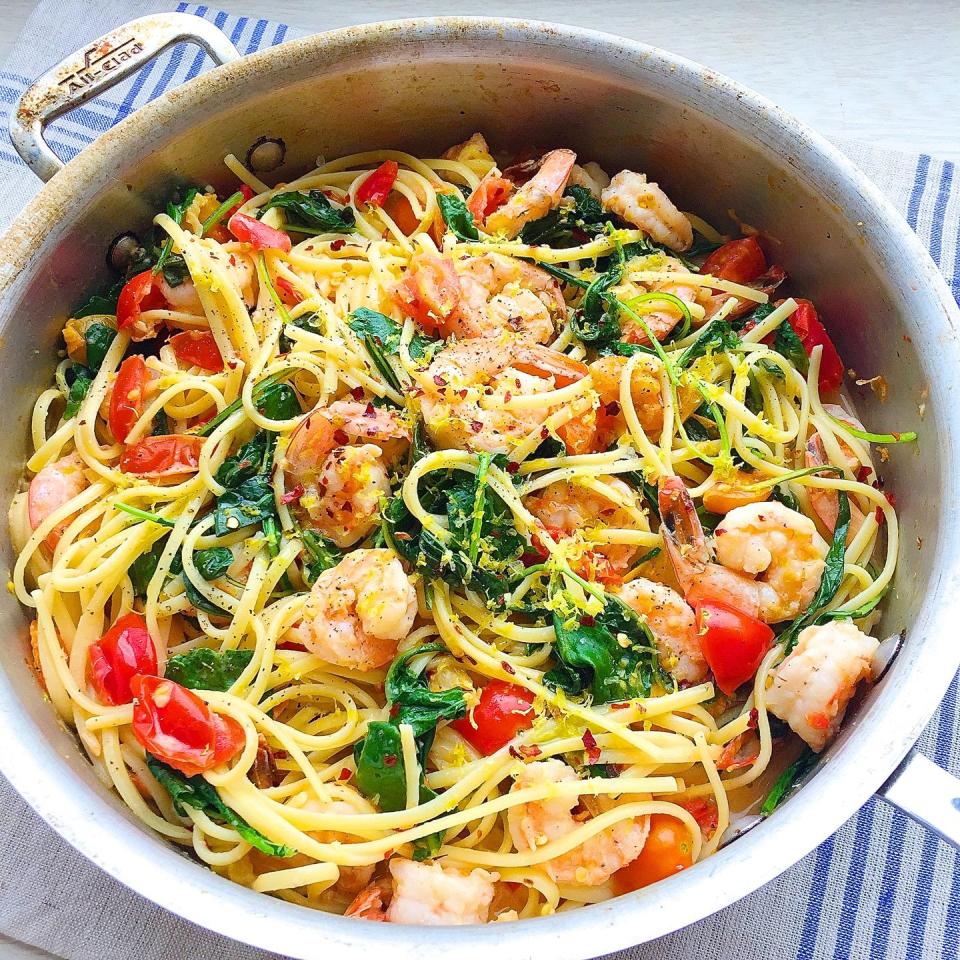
point(885, 72)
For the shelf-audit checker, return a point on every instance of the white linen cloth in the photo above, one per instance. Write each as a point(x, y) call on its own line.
point(880, 888)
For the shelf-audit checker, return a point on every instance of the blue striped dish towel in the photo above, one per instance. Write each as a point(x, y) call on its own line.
point(880, 888)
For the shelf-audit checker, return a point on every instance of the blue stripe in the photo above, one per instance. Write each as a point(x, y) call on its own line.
point(887, 898)
point(919, 185)
point(258, 30)
point(854, 882)
point(238, 29)
point(939, 210)
point(279, 35)
point(811, 920)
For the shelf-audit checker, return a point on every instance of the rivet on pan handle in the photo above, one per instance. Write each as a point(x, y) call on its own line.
point(927, 794)
point(95, 69)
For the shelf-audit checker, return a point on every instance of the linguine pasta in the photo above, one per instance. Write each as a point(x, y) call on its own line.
point(420, 482)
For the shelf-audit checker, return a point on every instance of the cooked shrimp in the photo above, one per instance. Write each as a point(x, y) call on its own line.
point(473, 152)
point(813, 685)
point(436, 895)
point(468, 387)
point(645, 391)
point(646, 206)
point(725, 495)
point(500, 293)
point(338, 459)
point(53, 487)
point(826, 503)
point(770, 558)
point(358, 611)
point(344, 801)
point(674, 626)
point(660, 318)
point(240, 270)
point(591, 175)
point(566, 509)
point(536, 198)
point(535, 824)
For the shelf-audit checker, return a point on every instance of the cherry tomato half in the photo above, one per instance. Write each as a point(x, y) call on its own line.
point(740, 261)
point(164, 456)
point(491, 194)
point(197, 348)
point(377, 185)
point(397, 208)
point(668, 850)
point(733, 642)
point(139, 293)
point(430, 293)
point(177, 727)
point(812, 333)
point(125, 650)
point(258, 235)
point(126, 400)
point(503, 711)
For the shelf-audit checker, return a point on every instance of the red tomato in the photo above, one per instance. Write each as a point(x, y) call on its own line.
point(740, 261)
point(503, 711)
point(668, 850)
point(490, 195)
point(733, 642)
point(258, 235)
point(126, 401)
point(198, 348)
point(812, 333)
point(177, 727)
point(164, 456)
point(704, 811)
point(288, 293)
point(398, 208)
point(125, 650)
point(430, 293)
point(248, 194)
point(139, 293)
point(377, 185)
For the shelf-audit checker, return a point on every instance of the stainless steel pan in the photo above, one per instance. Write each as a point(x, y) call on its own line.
point(424, 84)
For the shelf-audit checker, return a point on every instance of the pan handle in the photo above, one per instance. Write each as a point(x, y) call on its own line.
point(95, 69)
point(926, 793)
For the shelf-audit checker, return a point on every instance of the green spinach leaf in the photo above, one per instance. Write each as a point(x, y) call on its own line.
point(788, 344)
point(312, 212)
point(716, 336)
point(205, 669)
point(197, 793)
point(99, 338)
point(613, 656)
point(78, 390)
point(250, 502)
point(457, 217)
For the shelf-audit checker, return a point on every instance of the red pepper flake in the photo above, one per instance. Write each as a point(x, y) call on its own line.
point(587, 621)
point(512, 467)
point(462, 394)
point(357, 393)
point(863, 473)
point(340, 436)
point(438, 380)
point(620, 705)
point(507, 668)
point(345, 774)
point(476, 426)
point(390, 760)
point(514, 752)
point(293, 494)
point(338, 244)
point(544, 433)
point(892, 500)
point(507, 397)
point(754, 719)
point(403, 535)
point(612, 409)
point(590, 745)
point(529, 750)
point(371, 412)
